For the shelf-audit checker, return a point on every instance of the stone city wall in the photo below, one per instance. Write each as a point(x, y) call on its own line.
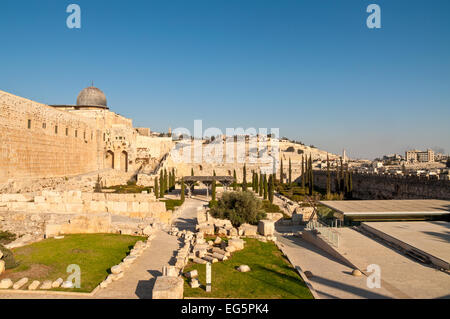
point(76, 202)
point(367, 186)
point(37, 140)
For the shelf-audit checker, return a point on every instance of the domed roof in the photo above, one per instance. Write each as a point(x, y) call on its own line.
point(91, 96)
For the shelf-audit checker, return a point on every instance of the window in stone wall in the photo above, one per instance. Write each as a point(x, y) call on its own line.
point(76, 133)
point(29, 123)
point(67, 131)
point(44, 125)
point(104, 137)
point(92, 136)
point(84, 135)
point(56, 129)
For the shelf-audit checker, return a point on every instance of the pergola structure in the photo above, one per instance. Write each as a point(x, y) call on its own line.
point(190, 181)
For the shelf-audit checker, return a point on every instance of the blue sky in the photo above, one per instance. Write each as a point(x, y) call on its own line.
point(311, 68)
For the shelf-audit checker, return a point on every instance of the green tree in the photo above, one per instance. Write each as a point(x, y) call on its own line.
point(261, 184)
point(271, 187)
point(192, 171)
point(281, 172)
point(156, 188)
point(161, 184)
point(166, 181)
point(235, 180)
point(244, 178)
point(183, 190)
point(265, 187)
point(213, 190)
point(290, 172)
point(239, 208)
point(256, 183)
point(311, 177)
point(303, 172)
point(328, 178)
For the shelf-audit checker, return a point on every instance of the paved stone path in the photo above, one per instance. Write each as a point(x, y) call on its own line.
point(140, 278)
point(401, 275)
point(331, 278)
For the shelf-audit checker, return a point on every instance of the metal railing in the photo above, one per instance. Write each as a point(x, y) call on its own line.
point(329, 234)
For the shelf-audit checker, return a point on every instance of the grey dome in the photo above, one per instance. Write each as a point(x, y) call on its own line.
point(91, 96)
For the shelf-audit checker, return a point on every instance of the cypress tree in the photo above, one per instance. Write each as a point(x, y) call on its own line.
point(173, 178)
point(328, 178)
point(351, 185)
point(261, 184)
point(235, 180)
point(213, 190)
point(290, 172)
point(303, 172)
point(192, 171)
point(156, 188)
point(166, 181)
point(310, 182)
point(265, 187)
point(256, 183)
point(161, 185)
point(281, 172)
point(271, 187)
point(183, 188)
point(244, 178)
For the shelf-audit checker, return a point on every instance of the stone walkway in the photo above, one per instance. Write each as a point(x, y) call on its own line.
point(331, 278)
point(140, 277)
point(401, 275)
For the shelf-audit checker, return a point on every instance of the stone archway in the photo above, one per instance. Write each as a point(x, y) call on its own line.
point(124, 161)
point(110, 159)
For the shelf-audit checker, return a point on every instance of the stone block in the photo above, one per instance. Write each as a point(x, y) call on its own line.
point(194, 283)
point(34, 285)
point(2, 266)
point(170, 271)
point(266, 227)
point(248, 230)
point(168, 288)
point(20, 283)
point(46, 285)
point(57, 283)
point(237, 243)
point(191, 274)
point(6, 283)
point(243, 268)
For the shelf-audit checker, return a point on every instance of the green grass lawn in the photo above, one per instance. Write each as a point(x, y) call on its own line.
point(94, 253)
point(271, 277)
point(172, 203)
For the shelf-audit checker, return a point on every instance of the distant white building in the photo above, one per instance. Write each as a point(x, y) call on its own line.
point(414, 156)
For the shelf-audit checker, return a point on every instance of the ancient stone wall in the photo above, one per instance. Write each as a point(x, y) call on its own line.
point(367, 186)
point(37, 140)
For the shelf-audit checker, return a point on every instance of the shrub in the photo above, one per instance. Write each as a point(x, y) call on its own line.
point(6, 237)
point(8, 258)
point(212, 203)
point(239, 207)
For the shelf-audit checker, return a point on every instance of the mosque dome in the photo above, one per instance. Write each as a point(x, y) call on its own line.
point(91, 96)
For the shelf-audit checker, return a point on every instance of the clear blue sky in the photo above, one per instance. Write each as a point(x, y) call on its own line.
point(311, 68)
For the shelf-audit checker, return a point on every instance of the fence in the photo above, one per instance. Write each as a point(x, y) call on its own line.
point(329, 234)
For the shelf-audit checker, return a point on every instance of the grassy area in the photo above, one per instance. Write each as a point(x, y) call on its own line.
point(271, 208)
point(94, 253)
point(271, 277)
point(297, 193)
point(130, 188)
point(172, 203)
